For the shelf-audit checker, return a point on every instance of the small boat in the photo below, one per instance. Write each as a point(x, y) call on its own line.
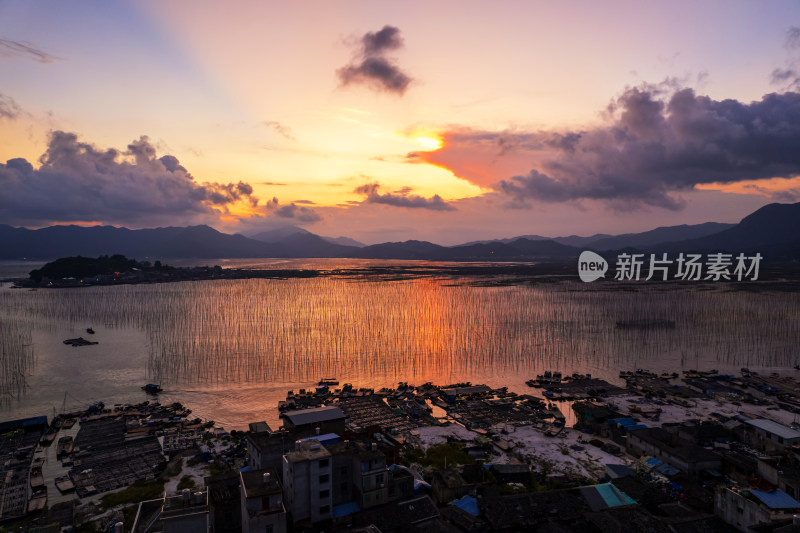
point(64, 446)
point(152, 388)
point(90, 331)
point(48, 438)
point(80, 341)
point(329, 381)
point(64, 484)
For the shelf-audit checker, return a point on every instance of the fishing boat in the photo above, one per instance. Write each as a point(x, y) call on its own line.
point(329, 381)
point(64, 484)
point(90, 331)
point(64, 446)
point(48, 438)
point(152, 388)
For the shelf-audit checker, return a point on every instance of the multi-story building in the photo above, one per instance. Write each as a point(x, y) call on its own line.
point(370, 476)
point(262, 502)
point(308, 482)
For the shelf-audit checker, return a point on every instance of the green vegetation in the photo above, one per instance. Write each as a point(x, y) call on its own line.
point(81, 267)
point(214, 469)
point(437, 455)
point(139, 491)
point(173, 468)
point(186, 482)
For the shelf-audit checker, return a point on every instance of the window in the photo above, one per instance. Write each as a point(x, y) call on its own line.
point(378, 497)
point(344, 486)
point(325, 509)
point(343, 471)
point(269, 529)
point(324, 478)
point(365, 466)
point(323, 463)
point(324, 494)
point(379, 478)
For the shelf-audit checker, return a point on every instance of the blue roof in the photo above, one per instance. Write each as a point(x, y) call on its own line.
point(245, 469)
point(667, 470)
point(652, 462)
point(624, 422)
point(605, 496)
point(345, 509)
point(777, 499)
point(468, 504)
point(613, 496)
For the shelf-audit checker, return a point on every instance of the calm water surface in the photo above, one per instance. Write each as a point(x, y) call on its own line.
point(231, 349)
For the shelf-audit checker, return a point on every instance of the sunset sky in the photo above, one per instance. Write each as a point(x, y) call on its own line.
point(441, 121)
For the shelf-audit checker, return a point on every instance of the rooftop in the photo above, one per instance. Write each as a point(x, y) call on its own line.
point(256, 484)
point(773, 427)
point(308, 450)
point(605, 496)
point(776, 499)
point(316, 415)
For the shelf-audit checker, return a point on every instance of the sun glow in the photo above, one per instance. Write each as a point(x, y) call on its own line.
point(428, 142)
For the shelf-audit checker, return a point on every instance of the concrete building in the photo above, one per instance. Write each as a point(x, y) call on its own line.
point(262, 502)
point(265, 451)
point(307, 422)
point(186, 513)
point(224, 502)
point(307, 479)
point(670, 448)
point(370, 476)
point(766, 435)
point(745, 509)
point(782, 472)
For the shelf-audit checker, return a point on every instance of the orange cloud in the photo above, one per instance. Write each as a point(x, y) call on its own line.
point(480, 158)
point(785, 189)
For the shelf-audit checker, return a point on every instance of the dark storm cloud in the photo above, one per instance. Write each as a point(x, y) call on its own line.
point(78, 181)
point(9, 48)
point(656, 145)
point(8, 107)
point(282, 130)
point(293, 211)
point(372, 68)
point(402, 198)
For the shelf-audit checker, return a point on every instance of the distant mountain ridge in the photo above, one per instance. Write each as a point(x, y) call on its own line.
point(603, 241)
point(771, 229)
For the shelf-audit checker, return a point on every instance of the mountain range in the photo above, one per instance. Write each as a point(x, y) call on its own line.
point(772, 229)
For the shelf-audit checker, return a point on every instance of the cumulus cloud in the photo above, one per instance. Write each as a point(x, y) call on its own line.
point(656, 141)
point(9, 48)
point(293, 211)
point(282, 130)
point(402, 198)
point(78, 181)
point(658, 145)
point(8, 107)
point(372, 68)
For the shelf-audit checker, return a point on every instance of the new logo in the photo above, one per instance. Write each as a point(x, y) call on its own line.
point(591, 266)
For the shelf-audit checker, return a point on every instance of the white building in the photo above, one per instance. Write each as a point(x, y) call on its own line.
point(307, 480)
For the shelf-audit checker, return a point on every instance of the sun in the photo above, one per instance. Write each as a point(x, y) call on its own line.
point(428, 142)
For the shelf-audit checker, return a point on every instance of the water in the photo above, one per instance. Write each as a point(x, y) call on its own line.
point(231, 349)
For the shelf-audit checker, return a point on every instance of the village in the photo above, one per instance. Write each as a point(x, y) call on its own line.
point(698, 451)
